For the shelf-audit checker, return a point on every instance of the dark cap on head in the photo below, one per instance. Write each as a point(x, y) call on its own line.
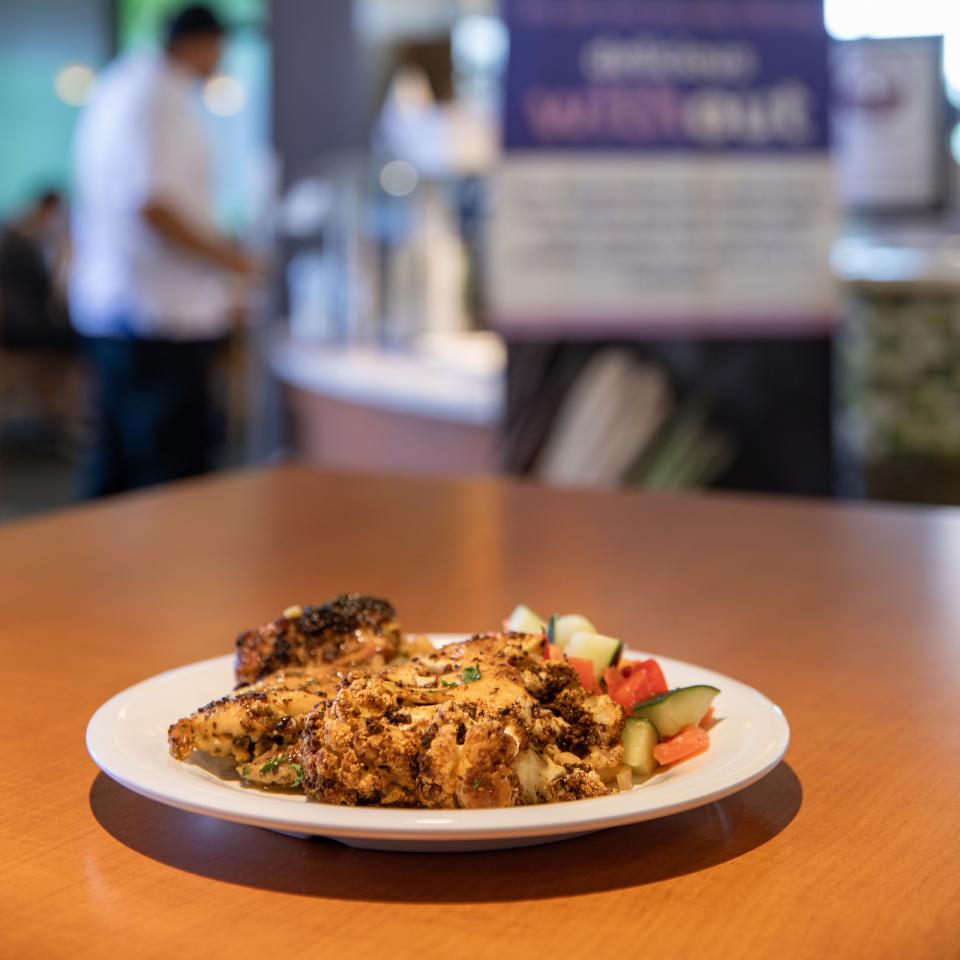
point(195, 20)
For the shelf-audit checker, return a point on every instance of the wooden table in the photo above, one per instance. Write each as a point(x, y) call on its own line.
point(848, 617)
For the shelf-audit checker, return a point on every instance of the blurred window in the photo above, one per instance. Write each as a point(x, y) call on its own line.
point(850, 19)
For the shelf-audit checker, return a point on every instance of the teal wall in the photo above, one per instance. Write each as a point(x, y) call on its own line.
point(39, 37)
point(36, 39)
point(141, 21)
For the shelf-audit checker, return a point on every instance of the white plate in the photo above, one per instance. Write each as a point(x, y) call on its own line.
point(127, 738)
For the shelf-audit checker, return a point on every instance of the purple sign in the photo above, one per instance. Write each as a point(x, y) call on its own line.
point(703, 75)
point(666, 169)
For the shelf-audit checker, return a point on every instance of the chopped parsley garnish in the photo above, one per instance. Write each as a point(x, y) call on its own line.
point(272, 765)
point(452, 683)
point(299, 770)
point(476, 783)
point(244, 770)
point(470, 674)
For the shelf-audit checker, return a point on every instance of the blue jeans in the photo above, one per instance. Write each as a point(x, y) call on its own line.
point(154, 412)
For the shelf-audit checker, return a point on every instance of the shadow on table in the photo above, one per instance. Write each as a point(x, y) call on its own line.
point(612, 859)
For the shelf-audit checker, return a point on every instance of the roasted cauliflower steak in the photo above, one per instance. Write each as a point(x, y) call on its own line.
point(482, 723)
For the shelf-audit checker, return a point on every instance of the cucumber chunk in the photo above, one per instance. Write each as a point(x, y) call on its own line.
point(569, 624)
point(524, 620)
point(639, 739)
point(672, 711)
point(602, 651)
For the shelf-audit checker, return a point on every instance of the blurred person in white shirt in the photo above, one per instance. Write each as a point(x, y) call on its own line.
point(148, 286)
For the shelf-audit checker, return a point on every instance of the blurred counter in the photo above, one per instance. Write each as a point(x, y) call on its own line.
point(433, 409)
point(898, 365)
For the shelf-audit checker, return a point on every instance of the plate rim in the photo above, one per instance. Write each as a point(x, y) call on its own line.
point(420, 825)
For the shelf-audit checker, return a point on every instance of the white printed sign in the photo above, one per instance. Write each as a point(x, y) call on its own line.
point(658, 178)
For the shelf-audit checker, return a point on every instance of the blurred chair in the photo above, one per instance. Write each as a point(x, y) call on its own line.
point(41, 381)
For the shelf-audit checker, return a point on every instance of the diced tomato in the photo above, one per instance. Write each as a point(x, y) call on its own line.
point(656, 681)
point(686, 743)
point(585, 672)
point(552, 652)
point(612, 678)
point(706, 721)
point(634, 682)
point(623, 696)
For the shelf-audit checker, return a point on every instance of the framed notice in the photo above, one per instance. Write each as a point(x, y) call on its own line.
point(890, 124)
point(665, 169)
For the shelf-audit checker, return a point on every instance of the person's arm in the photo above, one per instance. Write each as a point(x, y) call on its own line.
point(177, 231)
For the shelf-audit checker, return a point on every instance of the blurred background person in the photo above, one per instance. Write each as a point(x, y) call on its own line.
point(33, 249)
point(39, 380)
point(148, 287)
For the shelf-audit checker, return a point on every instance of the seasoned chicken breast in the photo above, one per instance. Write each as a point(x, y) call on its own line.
point(349, 631)
point(483, 723)
point(255, 718)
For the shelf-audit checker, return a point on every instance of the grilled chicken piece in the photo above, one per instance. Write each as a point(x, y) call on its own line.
point(483, 723)
point(254, 718)
point(349, 631)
